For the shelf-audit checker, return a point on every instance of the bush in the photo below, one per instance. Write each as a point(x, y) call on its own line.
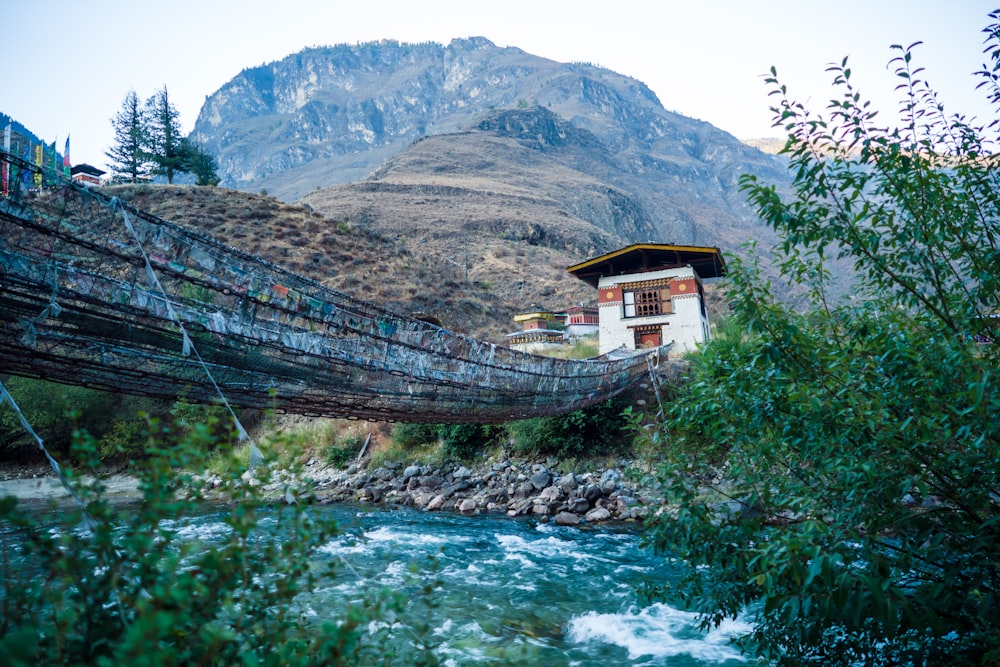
point(106, 585)
point(592, 432)
point(414, 435)
point(465, 441)
point(860, 520)
point(343, 450)
point(57, 411)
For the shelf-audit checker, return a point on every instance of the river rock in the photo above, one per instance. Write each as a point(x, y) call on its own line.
point(598, 514)
point(593, 493)
point(610, 480)
point(566, 519)
point(519, 507)
point(467, 506)
point(436, 503)
point(456, 487)
point(550, 494)
point(567, 483)
point(410, 472)
point(432, 481)
point(541, 479)
point(523, 490)
point(577, 504)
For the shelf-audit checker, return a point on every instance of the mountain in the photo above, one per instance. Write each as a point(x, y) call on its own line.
point(335, 115)
point(476, 293)
point(497, 165)
point(457, 181)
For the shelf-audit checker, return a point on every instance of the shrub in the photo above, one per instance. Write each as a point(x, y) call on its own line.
point(414, 435)
point(56, 411)
point(466, 441)
point(343, 450)
point(592, 432)
point(861, 437)
point(106, 585)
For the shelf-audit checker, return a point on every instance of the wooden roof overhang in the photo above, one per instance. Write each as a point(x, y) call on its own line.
point(707, 262)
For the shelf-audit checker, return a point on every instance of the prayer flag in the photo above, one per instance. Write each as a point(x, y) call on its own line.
point(6, 163)
point(66, 158)
point(38, 161)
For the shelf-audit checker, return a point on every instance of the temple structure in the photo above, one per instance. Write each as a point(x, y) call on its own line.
point(650, 295)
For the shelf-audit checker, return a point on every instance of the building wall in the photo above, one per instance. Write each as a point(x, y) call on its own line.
point(686, 325)
point(579, 330)
point(536, 340)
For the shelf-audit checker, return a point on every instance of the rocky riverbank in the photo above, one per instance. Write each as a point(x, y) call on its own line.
point(506, 487)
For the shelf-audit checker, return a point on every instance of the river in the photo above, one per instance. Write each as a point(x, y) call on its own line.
point(518, 591)
point(510, 591)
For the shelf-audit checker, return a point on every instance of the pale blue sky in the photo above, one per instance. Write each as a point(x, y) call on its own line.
point(68, 64)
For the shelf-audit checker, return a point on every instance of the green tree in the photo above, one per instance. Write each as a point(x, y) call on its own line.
point(130, 160)
point(165, 144)
point(199, 163)
point(855, 515)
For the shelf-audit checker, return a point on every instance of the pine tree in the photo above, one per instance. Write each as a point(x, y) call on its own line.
point(129, 158)
point(198, 162)
point(166, 145)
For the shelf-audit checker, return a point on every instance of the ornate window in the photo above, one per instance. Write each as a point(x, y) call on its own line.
point(646, 302)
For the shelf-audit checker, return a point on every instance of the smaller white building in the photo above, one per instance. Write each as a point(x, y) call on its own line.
point(581, 321)
point(650, 295)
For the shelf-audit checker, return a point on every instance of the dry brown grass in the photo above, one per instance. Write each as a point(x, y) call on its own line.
point(473, 282)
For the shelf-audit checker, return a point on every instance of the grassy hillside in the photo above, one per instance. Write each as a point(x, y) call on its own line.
point(475, 290)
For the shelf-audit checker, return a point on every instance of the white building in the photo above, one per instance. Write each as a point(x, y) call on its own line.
point(650, 295)
point(580, 321)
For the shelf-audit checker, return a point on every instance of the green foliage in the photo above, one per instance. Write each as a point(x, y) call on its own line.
point(196, 161)
point(124, 585)
point(593, 431)
point(57, 411)
point(465, 441)
point(148, 142)
point(857, 516)
point(165, 145)
point(457, 441)
point(127, 156)
point(343, 450)
point(414, 435)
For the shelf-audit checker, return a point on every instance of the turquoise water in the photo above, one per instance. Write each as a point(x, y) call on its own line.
point(516, 591)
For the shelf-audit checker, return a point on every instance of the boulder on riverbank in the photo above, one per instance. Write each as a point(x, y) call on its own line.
point(510, 487)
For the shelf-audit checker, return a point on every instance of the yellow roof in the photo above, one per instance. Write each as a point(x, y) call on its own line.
point(537, 315)
point(706, 261)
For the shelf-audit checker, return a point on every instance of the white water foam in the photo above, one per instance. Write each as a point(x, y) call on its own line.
point(410, 539)
point(548, 548)
point(659, 631)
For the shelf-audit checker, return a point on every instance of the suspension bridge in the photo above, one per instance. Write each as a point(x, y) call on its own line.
point(96, 293)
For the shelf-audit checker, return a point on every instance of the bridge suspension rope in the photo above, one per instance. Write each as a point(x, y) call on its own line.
point(95, 292)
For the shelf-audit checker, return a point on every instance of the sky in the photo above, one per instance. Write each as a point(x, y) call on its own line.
point(69, 64)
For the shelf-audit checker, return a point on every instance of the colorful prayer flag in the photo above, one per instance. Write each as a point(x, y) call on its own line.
point(66, 158)
point(39, 156)
point(6, 163)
